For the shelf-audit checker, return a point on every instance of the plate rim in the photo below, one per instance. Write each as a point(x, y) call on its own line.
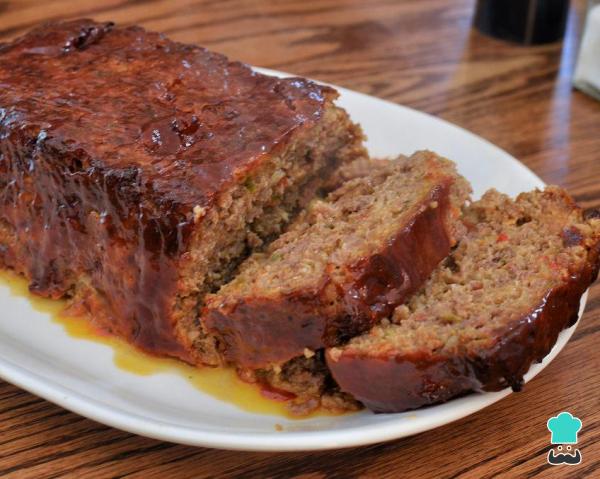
point(91, 408)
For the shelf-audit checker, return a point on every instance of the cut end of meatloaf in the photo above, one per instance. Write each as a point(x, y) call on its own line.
point(137, 172)
point(377, 168)
point(254, 212)
point(347, 260)
point(494, 306)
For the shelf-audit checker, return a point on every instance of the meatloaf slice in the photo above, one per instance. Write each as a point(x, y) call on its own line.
point(137, 172)
point(344, 263)
point(492, 308)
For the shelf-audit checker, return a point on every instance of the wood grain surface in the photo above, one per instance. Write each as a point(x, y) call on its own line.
point(420, 53)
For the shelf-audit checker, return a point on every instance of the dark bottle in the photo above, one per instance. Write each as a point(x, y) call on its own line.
point(523, 21)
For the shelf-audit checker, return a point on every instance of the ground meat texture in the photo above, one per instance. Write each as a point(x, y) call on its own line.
point(347, 261)
point(136, 173)
point(493, 307)
point(306, 383)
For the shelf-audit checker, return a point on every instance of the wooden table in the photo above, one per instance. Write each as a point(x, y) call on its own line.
point(420, 53)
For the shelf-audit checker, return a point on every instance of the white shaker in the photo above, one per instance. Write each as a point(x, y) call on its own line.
point(587, 71)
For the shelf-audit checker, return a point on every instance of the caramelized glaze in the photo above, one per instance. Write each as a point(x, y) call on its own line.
point(397, 382)
point(255, 331)
point(109, 138)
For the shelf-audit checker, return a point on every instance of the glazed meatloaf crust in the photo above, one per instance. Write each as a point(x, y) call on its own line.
point(136, 172)
point(496, 305)
point(343, 264)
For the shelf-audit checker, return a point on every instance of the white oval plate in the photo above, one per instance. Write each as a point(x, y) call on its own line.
point(38, 355)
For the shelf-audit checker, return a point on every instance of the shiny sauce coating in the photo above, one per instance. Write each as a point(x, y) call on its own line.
point(109, 138)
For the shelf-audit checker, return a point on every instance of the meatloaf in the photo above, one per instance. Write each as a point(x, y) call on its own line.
point(137, 172)
point(345, 263)
point(494, 306)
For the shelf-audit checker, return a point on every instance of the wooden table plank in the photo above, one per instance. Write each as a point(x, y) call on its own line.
point(423, 54)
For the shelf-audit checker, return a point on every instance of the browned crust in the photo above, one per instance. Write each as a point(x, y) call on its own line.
point(255, 332)
point(98, 191)
point(398, 383)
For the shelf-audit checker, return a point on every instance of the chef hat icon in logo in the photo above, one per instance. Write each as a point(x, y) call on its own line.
point(564, 428)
